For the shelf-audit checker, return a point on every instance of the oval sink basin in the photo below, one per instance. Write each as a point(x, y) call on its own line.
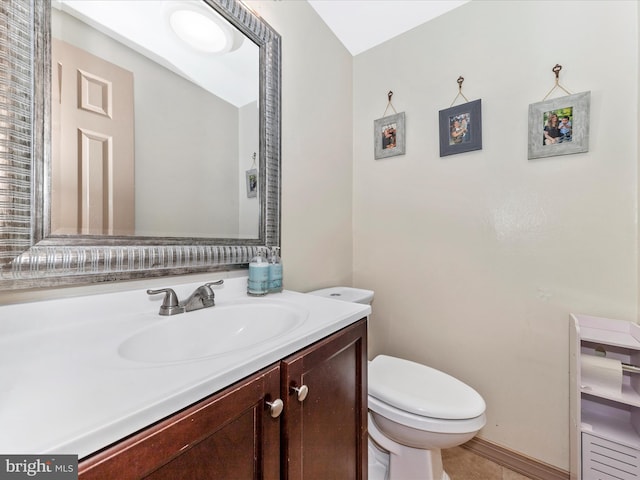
point(211, 332)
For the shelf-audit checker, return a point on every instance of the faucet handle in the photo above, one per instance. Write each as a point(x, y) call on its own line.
point(209, 290)
point(170, 304)
point(209, 300)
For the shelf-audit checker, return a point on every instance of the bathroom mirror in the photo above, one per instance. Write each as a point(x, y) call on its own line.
point(33, 254)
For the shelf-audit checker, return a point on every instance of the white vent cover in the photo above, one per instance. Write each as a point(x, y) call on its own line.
point(606, 460)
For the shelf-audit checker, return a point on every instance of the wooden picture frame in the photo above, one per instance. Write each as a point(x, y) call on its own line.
point(389, 136)
point(567, 134)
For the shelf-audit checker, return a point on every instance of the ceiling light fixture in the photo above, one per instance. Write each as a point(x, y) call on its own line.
point(200, 30)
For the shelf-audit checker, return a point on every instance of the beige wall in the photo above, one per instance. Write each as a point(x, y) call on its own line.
point(317, 147)
point(477, 259)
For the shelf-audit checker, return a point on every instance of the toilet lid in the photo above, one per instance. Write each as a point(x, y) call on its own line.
point(422, 390)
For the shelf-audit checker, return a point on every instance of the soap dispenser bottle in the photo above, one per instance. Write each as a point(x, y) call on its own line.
point(275, 271)
point(259, 269)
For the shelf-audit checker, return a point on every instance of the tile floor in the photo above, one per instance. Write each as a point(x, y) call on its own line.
point(462, 464)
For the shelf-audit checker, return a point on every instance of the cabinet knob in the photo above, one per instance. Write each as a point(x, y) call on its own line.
point(301, 391)
point(275, 407)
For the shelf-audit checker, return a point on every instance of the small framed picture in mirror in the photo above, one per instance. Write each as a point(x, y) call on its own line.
point(252, 183)
point(389, 136)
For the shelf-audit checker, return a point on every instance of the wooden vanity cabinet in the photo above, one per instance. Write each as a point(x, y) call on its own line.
point(325, 435)
point(231, 435)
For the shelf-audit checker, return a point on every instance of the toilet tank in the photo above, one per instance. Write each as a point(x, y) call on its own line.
point(346, 294)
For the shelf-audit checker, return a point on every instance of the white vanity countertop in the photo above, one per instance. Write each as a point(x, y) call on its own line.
point(65, 389)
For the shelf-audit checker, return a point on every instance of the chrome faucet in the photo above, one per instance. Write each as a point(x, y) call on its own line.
point(202, 297)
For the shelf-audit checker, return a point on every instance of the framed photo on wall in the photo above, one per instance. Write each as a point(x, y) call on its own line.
point(461, 128)
point(559, 126)
point(389, 136)
point(252, 183)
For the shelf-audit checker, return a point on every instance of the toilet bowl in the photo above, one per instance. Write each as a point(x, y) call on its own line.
point(414, 411)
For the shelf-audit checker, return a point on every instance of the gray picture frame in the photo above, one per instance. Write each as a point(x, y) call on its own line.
point(471, 139)
point(578, 142)
point(252, 183)
point(388, 144)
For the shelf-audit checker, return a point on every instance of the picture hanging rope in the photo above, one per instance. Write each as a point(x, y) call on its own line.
point(460, 80)
point(556, 70)
point(389, 104)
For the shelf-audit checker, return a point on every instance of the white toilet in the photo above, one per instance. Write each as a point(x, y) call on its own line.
point(414, 411)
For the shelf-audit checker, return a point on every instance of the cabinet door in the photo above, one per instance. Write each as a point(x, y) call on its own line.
point(230, 435)
point(325, 435)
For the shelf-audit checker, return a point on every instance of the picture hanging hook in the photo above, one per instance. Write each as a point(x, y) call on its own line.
point(556, 70)
point(460, 81)
point(389, 95)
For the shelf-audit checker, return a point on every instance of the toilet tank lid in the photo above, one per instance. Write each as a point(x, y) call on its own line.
point(422, 390)
point(347, 294)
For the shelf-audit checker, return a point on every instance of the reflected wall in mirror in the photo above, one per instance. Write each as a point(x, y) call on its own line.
point(192, 137)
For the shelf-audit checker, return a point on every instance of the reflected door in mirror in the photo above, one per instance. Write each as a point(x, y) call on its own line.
point(93, 150)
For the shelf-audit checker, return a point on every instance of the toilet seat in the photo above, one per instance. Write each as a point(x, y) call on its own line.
point(427, 424)
point(407, 389)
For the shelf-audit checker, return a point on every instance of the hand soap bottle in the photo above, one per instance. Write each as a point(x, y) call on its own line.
point(275, 271)
point(259, 269)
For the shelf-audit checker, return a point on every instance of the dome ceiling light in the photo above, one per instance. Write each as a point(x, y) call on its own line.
point(201, 28)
